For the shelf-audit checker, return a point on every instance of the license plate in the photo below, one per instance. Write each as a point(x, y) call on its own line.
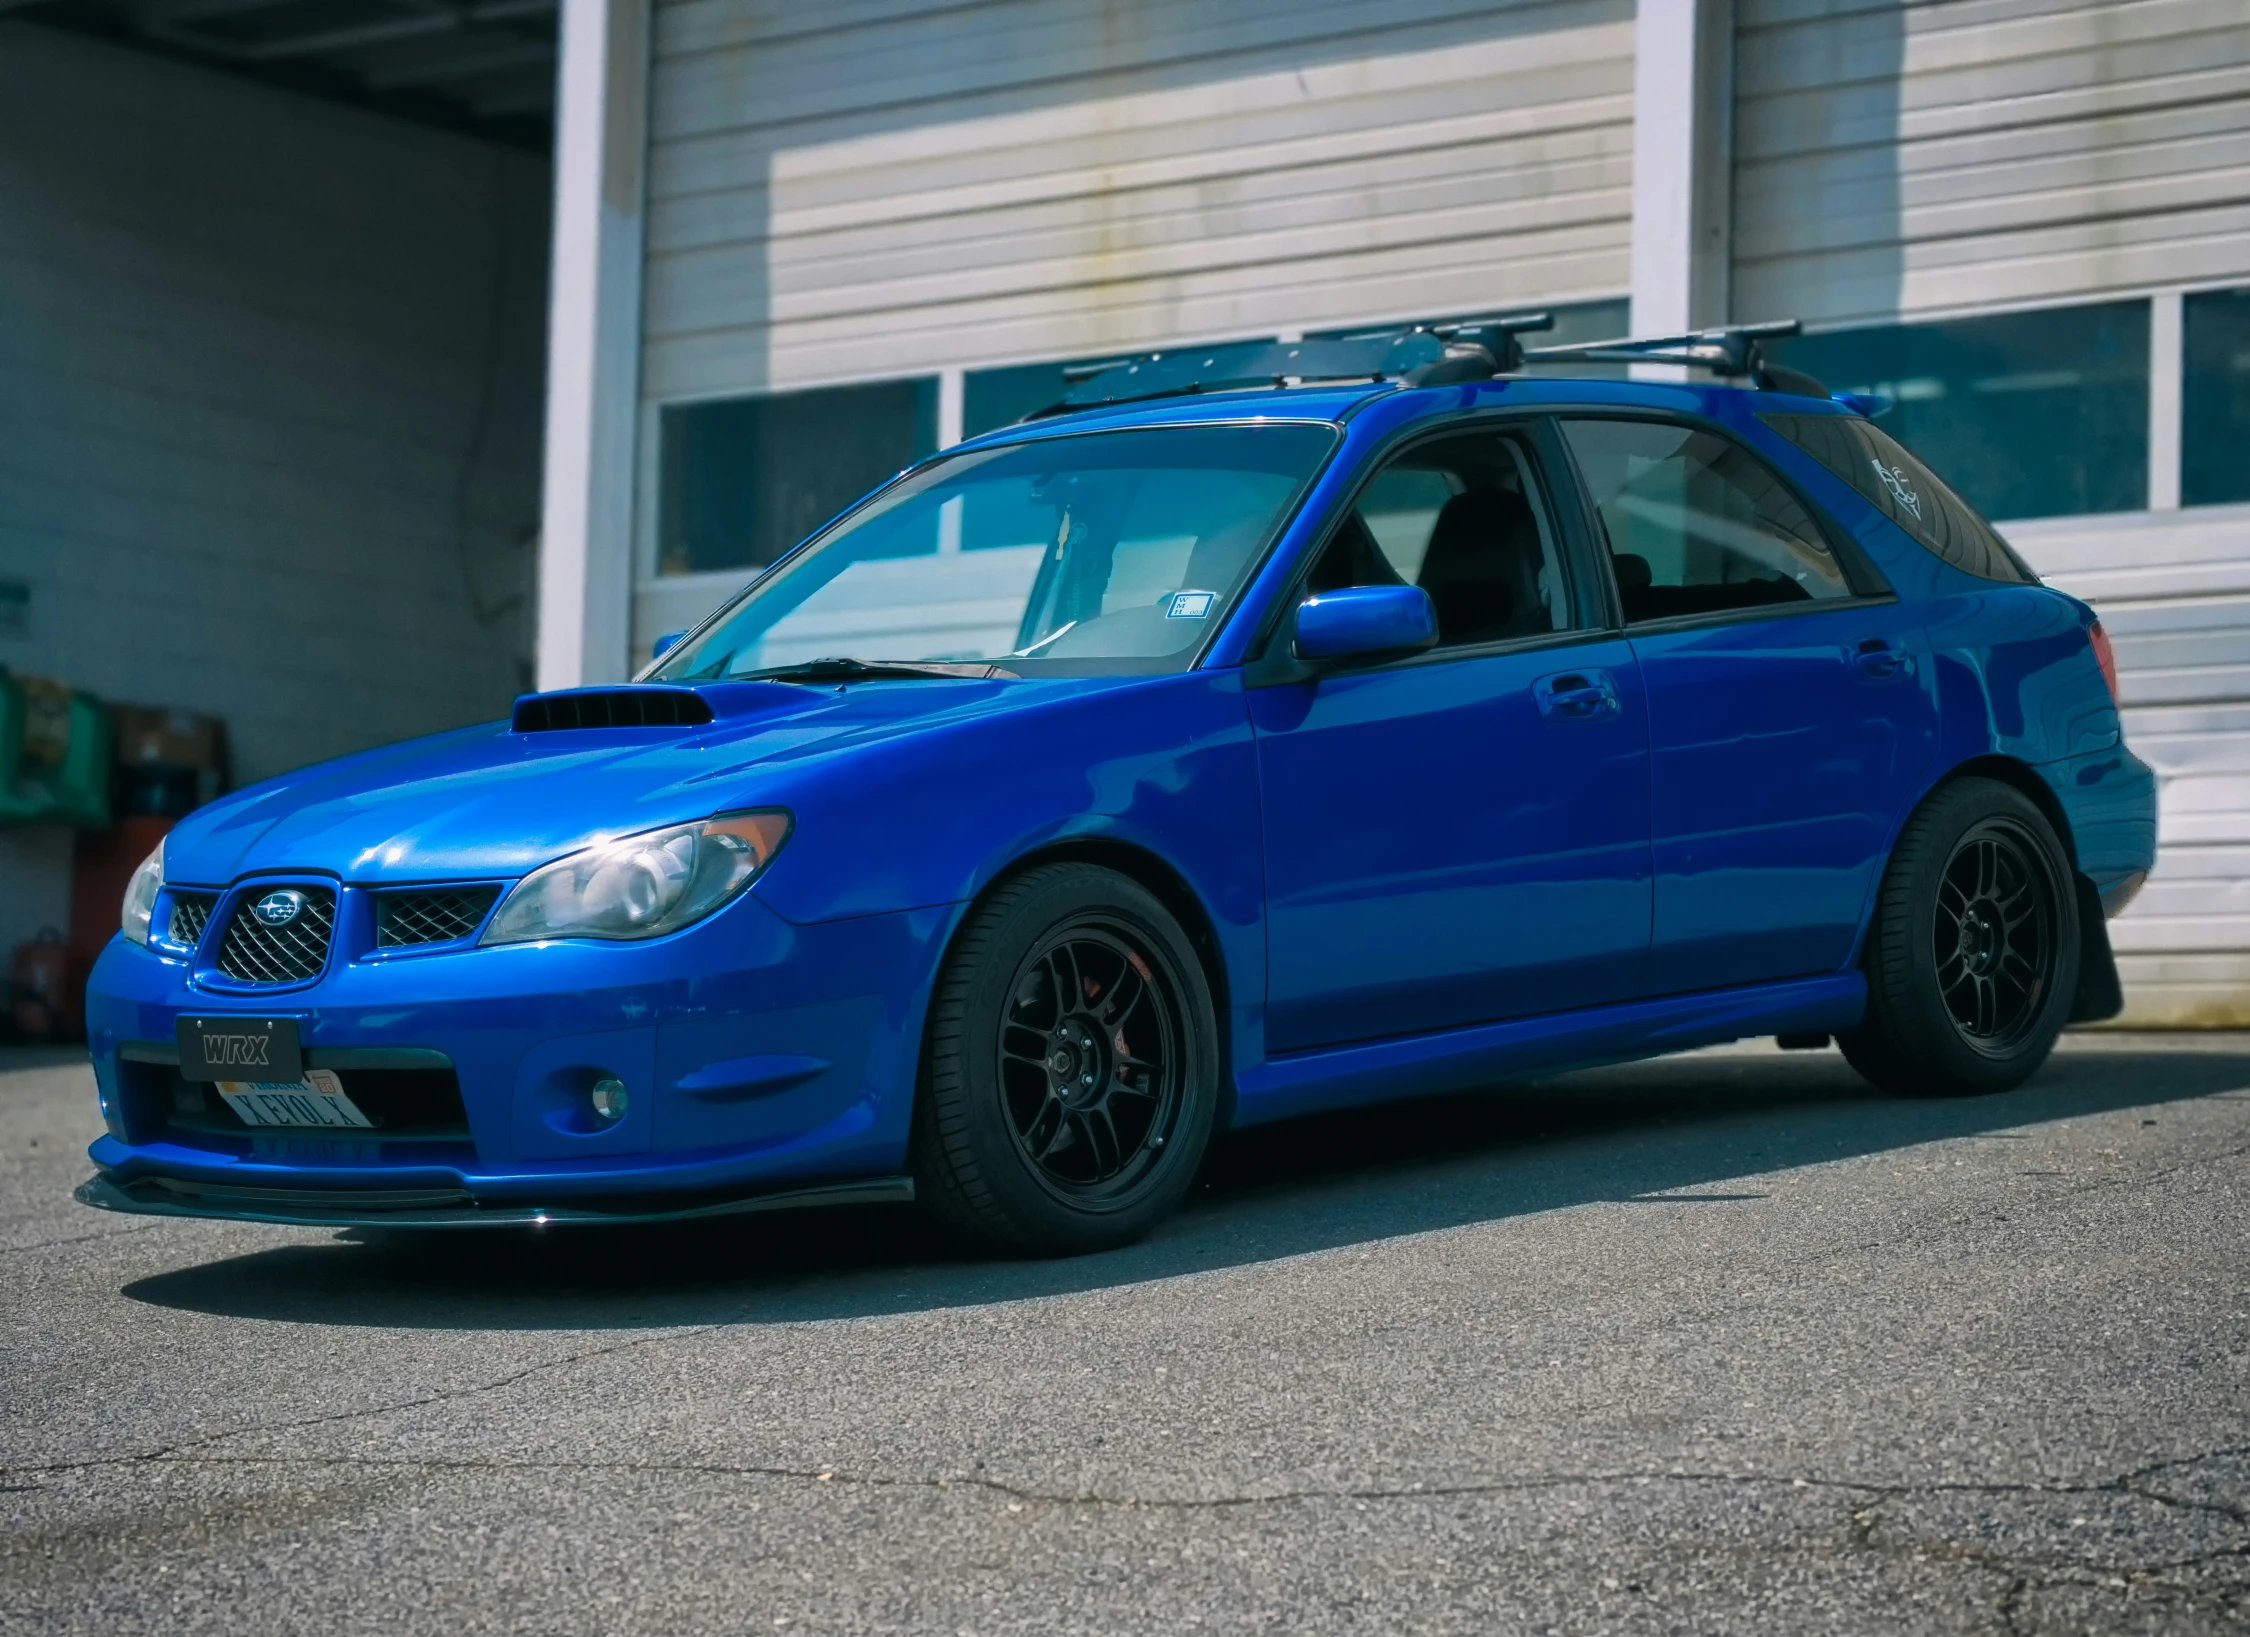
point(222, 1048)
point(316, 1101)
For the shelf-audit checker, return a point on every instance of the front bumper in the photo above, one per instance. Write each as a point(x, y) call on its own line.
point(761, 1058)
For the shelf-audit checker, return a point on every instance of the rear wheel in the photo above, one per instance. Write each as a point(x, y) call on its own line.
point(1070, 1074)
point(1973, 955)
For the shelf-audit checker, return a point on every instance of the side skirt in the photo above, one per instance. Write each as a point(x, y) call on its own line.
point(1415, 1065)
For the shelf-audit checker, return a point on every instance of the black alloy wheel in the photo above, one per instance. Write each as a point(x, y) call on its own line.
point(1090, 1059)
point(1973, 955)
point(1995, 936)
point(1070, 1071)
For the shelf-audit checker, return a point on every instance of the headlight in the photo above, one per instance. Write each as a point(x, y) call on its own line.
point(140, 896)
point(641, 886)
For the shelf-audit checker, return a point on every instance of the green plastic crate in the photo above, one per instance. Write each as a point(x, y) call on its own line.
point(49, 776)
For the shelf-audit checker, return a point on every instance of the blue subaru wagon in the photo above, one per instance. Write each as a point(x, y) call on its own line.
point(1263, 731)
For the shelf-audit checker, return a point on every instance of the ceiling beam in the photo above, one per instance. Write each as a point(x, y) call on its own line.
point(529, 96)
point(172, 12)
point(398, 28)
point(423, 23)
point(464, 62)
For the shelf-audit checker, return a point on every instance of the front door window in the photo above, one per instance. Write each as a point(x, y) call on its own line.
point(1463, 519)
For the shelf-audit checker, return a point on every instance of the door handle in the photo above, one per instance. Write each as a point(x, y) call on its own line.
point(1878, 660)
point(1575, 696)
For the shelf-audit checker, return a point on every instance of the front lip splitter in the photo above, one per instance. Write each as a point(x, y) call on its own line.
point(452, 1207)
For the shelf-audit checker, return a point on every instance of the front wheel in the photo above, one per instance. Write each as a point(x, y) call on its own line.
point(1071, 1067)
point(1973, 955)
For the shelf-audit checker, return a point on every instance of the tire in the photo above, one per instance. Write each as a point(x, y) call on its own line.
point(1034, 1133)
point(1973, 956)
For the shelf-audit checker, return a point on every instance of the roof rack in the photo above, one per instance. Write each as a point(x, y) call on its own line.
point(1731, 351)
point(1436, 354)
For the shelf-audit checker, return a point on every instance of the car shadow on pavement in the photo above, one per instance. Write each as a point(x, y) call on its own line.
point(1624, 1134)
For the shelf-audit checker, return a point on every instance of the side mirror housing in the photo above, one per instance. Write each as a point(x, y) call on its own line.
point(666, 643)
point(1363, 621)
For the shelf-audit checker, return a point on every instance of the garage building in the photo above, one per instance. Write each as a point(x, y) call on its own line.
point(793, 249)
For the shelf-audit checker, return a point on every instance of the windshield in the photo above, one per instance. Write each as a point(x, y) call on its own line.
point(1097, 554)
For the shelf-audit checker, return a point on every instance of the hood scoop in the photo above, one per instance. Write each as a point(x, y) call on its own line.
point(629, 707)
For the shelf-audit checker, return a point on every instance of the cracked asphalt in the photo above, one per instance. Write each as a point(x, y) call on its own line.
point(1718, 1344)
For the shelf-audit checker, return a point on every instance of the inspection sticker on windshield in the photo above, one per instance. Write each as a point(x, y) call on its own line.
point(1190, 605)
point(316, 1100)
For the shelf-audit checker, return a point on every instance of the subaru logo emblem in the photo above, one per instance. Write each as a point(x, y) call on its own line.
point(279, 908)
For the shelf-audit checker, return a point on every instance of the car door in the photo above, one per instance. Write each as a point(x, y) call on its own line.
point(1792, 706)
point(1461, 835)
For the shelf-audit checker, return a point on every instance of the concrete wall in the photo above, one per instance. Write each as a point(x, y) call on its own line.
point(270, 382)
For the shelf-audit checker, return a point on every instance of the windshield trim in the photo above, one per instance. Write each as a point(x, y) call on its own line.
point(1049, 432)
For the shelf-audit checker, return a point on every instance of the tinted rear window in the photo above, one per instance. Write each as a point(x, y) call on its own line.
point(1905, 491)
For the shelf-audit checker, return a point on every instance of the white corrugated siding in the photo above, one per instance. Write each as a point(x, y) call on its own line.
point(1898, 158)
point(2173, 589)
point(873, 188)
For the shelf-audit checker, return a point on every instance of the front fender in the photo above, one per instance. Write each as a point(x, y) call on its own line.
point(1166, 765)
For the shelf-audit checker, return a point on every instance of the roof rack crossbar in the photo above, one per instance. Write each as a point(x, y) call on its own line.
point(1728, 350)
point(1438, 353)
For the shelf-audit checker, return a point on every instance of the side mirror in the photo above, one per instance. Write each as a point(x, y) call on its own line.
point(666, 643)
point(1361, 621)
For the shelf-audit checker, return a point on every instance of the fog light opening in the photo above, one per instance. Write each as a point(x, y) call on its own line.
point(607, 1098)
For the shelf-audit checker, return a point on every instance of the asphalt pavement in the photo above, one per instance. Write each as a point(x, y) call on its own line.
point(1718, 1344)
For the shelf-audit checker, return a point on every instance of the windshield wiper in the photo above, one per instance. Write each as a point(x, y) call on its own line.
point(842, 668)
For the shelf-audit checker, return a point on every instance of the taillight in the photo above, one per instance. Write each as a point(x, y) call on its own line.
point(2106, 657)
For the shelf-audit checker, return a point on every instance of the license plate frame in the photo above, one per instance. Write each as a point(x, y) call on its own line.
point(316, 1102)
point(221, 1048)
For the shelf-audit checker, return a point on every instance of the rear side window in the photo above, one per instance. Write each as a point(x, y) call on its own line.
point(1905, 491)
point(1696, 524)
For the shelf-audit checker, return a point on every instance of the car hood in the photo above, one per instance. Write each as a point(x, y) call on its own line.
point(491, 802)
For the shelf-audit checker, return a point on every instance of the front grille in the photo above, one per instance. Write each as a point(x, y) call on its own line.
point(253, 952)
point(611, 708)
point(435, 917)
point(191, 912)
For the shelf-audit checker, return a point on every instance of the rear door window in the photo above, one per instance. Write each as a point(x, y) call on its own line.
point(1906, 492)
point(1696, 524)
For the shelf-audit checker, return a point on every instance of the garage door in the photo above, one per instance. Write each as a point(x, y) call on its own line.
point(1903, 158)
point(869, 188)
